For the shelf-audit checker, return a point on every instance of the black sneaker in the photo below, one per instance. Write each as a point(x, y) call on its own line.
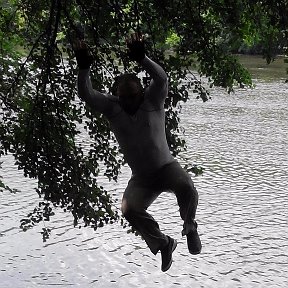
point(193, 241)
point(166, 254)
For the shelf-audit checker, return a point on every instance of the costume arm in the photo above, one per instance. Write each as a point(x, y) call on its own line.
point(158, 88)
point(96, 100)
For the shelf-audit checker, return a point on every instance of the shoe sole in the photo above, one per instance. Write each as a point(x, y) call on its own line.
point(170, 263)
point(195, 252)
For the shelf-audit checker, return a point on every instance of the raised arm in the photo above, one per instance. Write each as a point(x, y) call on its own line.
point(158, 88)
point(96, 100)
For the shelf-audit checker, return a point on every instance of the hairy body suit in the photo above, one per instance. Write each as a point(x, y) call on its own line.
point(141, 136)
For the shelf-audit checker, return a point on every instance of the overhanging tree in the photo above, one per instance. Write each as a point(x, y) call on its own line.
point(41, 117)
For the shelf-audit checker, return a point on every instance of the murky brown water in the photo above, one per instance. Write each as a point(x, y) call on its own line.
point(241, 141)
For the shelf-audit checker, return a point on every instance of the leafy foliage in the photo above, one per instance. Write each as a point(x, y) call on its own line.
point(41, 116)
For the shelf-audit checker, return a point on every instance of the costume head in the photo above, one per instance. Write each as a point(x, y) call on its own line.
point(129, 90)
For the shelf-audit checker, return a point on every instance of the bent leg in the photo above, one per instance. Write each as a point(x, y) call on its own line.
point(136, 200)
point(173, 177)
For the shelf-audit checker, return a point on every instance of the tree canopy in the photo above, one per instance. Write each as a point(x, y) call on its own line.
point(41, 116)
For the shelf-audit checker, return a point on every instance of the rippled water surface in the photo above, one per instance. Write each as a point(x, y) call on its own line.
point(241, 141)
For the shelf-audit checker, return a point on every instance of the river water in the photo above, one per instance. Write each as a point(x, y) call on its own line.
point(241, 141)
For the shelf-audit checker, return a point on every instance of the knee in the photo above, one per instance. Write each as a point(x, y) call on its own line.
point(186, 185)
point(187, 189)
point(126, 209)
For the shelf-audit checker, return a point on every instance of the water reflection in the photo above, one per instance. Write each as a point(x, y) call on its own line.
point(241, 141)
point(259, 68)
